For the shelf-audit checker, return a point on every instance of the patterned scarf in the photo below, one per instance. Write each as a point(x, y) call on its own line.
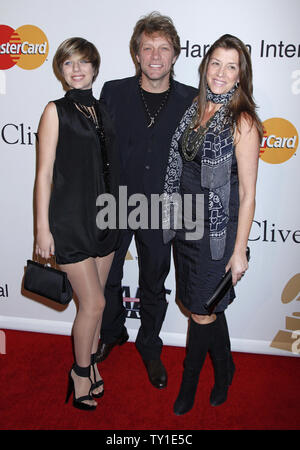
point(216, 159)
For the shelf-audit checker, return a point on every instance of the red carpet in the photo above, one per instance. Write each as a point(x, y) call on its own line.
point(265, 393)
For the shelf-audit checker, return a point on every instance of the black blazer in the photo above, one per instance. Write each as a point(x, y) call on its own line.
point(124, 103)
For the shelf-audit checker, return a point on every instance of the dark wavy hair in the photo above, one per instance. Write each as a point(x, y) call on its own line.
point(242, 100)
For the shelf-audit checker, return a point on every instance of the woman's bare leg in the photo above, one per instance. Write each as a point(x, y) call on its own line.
point(84, 279)
point(203, 319)
point(103, 267)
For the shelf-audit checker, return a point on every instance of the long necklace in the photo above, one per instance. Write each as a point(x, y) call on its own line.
point(192, 140)
point(90, 113)
point(164, 101)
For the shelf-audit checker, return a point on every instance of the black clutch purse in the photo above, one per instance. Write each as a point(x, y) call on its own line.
point(47, 281)
point(224, 285)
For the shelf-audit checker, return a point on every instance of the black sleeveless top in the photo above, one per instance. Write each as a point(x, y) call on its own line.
point(77, 181)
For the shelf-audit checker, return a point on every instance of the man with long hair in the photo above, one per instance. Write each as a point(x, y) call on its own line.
point(145, 109)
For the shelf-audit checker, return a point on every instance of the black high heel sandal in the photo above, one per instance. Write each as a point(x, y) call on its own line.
point(79, 402)
point(96, 384)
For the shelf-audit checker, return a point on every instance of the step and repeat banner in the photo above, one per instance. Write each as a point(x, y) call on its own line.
point(265, 317)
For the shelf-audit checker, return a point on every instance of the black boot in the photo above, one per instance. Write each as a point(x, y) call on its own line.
point(186, 397)
point(200, 337)
point(222, 362)
point(223, 376)
point(231, 366)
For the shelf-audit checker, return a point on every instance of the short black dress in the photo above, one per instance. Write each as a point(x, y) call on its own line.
point(78, 180)
point(197, 274)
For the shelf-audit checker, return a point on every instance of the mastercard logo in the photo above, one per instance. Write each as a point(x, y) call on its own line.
point(26, 47)
point(280, 141)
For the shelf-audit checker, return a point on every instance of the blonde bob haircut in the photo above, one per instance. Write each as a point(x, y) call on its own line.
point(80, 46)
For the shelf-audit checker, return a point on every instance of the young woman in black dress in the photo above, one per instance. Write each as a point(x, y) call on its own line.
point(76, 149)
point(215, 153)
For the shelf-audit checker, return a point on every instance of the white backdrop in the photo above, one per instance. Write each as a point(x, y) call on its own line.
point(265, 317)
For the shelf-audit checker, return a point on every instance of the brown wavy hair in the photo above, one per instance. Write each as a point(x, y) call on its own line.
point(153, 23)
point(242, 100)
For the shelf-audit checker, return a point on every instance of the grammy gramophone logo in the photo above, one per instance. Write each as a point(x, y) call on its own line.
point(289, 339)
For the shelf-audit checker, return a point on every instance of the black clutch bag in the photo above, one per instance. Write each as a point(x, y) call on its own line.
point(47, 281)
point(224, 285)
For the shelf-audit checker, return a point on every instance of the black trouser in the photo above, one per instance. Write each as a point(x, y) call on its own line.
point(154, 265)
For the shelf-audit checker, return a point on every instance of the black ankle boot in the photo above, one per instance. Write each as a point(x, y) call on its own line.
point(199, 340)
